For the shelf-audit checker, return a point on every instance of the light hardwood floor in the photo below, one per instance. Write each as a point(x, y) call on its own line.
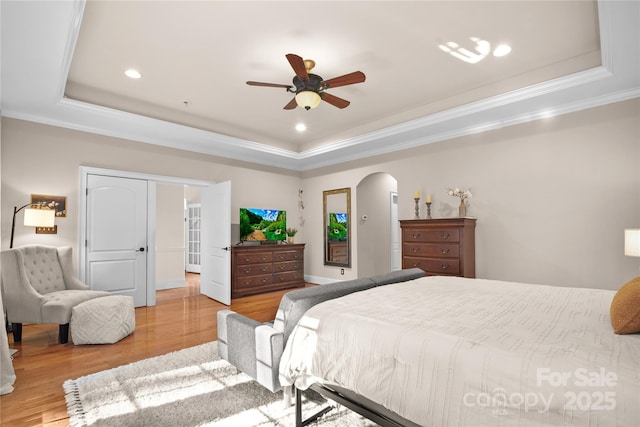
point(182, 318)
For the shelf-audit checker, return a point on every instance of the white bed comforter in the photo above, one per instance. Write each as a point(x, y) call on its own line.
point(448, 351)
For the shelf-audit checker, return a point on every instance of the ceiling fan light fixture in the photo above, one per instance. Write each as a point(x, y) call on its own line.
point(308, 99)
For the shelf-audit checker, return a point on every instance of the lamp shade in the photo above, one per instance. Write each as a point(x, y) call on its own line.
point(632, 241)
point(39, 217)
point(308, 99)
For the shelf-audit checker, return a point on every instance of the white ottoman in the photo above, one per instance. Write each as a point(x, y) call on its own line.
point(103, 320)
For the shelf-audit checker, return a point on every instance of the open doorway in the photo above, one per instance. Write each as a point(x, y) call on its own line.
point(377, 224)
point(170, 236)
point(181, 238)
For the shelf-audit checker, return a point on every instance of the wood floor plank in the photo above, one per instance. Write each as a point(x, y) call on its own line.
point(182, 318)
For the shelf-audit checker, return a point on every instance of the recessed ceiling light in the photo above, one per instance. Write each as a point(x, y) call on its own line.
point(300, 127)
point(134, 74)
point(502, 50)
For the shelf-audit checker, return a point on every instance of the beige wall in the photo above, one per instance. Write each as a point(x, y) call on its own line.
point(552, 197)
point(45, 159)
point(170, 239)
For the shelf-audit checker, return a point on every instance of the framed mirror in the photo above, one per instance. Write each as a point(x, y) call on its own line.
point(337, 227)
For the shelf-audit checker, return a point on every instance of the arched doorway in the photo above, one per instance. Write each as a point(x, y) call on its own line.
point(378, 228)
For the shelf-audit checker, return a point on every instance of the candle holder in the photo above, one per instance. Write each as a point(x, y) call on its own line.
point(417, 200)
point(428, 210)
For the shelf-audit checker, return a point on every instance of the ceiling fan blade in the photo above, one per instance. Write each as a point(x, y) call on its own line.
point(291, 105)
point(297, 63)
point(334, 100)
point(347, 79)
point(269, 85)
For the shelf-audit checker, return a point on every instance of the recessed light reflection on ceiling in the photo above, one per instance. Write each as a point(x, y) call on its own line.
point(501, 50)
point(300, 127)
point(133, 74)
point(481, 49)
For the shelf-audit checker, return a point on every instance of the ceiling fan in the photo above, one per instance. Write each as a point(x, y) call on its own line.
point(310, 88)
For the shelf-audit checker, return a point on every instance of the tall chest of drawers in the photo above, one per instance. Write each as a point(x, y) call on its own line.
point(441, 246)
point(266, 268)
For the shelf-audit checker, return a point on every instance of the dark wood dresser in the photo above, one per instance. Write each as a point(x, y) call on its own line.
point(338, 251)
point(441, 246)
point(266, 268)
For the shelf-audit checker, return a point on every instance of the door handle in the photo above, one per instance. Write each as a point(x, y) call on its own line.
point(140, 250)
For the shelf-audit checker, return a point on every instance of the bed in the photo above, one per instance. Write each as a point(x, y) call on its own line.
point(440, 351)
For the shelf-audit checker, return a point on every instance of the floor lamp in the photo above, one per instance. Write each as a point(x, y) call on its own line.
point(33, 217)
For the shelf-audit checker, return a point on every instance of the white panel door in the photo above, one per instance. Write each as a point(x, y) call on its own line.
point(215, 238)
point(116, 246)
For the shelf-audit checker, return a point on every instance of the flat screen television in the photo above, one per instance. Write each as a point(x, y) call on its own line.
point(337, 226)
point(263, 225)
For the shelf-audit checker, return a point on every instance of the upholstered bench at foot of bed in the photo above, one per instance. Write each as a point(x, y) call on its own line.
point(256, 348)
point(103, 320)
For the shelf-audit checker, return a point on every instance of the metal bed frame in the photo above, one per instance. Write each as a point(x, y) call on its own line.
point(354, 402)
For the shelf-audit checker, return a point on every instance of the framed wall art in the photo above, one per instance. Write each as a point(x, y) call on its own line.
point(58, 203)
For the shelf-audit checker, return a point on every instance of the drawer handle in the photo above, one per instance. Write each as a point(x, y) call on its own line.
point(415, 235)
point(295, 256)
point(444, 266)
point(264, 280)
point(445, 235)
point(295, 266)
point(264, 258)
point(416, 264)
point(247, 259)
point(282, 267)
point(444, 251)
point(415, 250)
point(247, 282)
point(264, 269)
point(247, 270)
point(281, 256)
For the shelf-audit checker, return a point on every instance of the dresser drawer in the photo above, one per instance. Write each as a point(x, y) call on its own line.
point(254, 258)
point(288, 255)
point(289, 276)
point(433, 265)
point(431, 250)
point(338, 257)
point(253, 269)
point(433, 235)
point(250, 282)
point(338, 251)
point(287, 266)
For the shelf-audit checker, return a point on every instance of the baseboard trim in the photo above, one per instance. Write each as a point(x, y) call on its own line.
point(170, 284)
point(320, 280)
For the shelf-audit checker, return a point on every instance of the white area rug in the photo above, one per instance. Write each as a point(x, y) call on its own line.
point(190, 387)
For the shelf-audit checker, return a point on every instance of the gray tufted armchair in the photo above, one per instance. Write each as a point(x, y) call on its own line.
point(39, 286)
